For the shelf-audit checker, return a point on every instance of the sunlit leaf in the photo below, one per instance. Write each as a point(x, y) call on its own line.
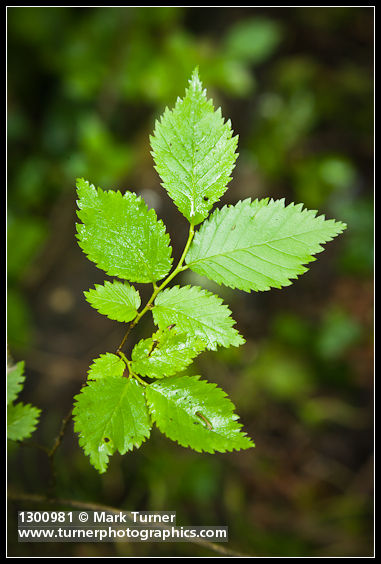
point(196, 414)
point(165, 353)
point(110, 415)
point(194, 152)
point(259, 245)
point(198, 313)
point(121, 236)
point(118, 300)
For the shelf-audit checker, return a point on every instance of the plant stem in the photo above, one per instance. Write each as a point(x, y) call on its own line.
point(131, 373)
point(58, 439)
point(157, 289)
point(179, 268)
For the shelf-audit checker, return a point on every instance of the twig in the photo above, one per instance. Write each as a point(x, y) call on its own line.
point(51, 453)
point(59, 437)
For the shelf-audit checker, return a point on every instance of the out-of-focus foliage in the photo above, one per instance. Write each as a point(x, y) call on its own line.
point(21, 419)
point(92, 82)
point(84, 88)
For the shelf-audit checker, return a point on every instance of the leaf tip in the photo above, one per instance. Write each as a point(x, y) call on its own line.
point(194, 81)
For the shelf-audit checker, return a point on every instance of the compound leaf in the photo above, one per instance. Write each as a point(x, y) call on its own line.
point(118, 300)
point(196, 414)
point(165, 353)
point(110, 415)
point(258, 245)
point(194, 152)
point(198, 313)
point(121, 236)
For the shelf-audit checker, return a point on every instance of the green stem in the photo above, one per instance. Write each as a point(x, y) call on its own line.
point(131, 373)
point(125, 360)
point(127, 363)
point(139, 379)
point(157, 289)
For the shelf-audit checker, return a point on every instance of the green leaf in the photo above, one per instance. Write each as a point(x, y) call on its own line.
point(118, 300)
point(196, 414)
point(194, 152)
point(15, 381)
point(165, 353)
point(253, 40)
point(121, 236)
point(258, 245)
point(110, 415)
point(107, 365)
point(21, 421)
point(198, 313)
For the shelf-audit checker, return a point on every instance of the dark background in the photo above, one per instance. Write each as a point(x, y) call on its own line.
point(84, 88)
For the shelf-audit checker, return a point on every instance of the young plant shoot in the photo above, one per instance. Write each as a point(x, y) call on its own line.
point(252, 246)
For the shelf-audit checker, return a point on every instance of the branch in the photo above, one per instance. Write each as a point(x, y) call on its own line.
point(58, 439)
point(50, 453)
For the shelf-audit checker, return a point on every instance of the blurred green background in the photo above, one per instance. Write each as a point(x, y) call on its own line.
point(84, 88)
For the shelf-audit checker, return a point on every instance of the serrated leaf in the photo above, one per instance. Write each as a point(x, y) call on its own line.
point(21, 421)
point(107, 365)
point(15, 381)
point(121, 236)
point(198, 313)
point(196, 414)
point(165, 353)
point(118, 300)
point(258, 245)
point(194, 152)
point(110, 415)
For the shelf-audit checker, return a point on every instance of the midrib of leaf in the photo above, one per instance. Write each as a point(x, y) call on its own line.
point(230, 257)
point(190, 173)
point(181, 410)
point(115, 408)
point(119, 299)
point(193, 319)
point(141, 256)
point(193, 163)
point(265, 243)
